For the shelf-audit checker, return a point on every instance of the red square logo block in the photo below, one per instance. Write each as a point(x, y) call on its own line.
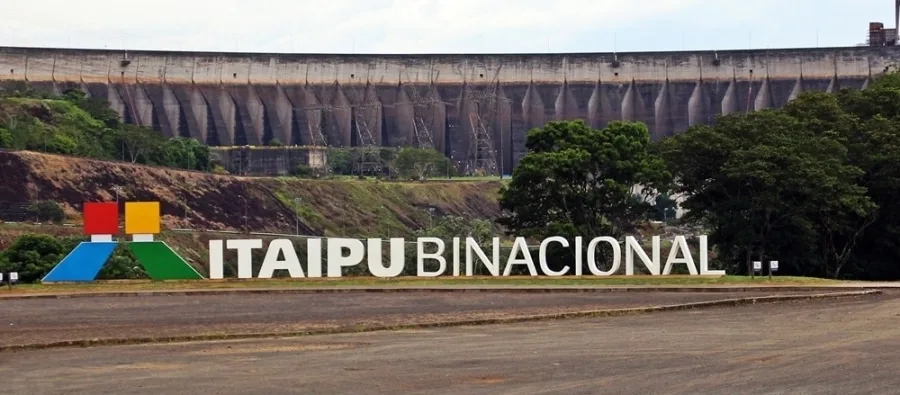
point(101, 218)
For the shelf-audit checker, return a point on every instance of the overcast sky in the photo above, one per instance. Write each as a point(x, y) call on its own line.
point(438, 26)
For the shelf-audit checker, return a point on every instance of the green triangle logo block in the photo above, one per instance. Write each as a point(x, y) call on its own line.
point(161, 262)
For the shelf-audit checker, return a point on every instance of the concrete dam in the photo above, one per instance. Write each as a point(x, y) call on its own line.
point(474, 108)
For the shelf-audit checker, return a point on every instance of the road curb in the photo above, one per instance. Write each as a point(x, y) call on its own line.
point(450, 289)
point(443, 324)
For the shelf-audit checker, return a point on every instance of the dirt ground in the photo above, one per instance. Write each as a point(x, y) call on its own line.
point(844, 346)
point(40, 321)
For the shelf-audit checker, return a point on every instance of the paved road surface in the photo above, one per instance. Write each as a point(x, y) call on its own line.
point(848, 346)
point(31, 321)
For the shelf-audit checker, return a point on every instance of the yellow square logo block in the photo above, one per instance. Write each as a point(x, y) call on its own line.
point(141, 218)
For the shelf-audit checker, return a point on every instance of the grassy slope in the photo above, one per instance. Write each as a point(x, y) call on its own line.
point(206, 201)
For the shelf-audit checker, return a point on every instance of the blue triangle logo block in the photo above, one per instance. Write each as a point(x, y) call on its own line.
point(83, 263)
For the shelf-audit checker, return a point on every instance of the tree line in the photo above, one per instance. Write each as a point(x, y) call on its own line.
point(407, 163)
point(810, 185)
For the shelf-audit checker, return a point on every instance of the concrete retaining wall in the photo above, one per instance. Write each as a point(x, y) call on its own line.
point(238, 99)
point(269, 161)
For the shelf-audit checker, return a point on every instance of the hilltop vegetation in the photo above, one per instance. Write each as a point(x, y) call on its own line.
point(73, 124)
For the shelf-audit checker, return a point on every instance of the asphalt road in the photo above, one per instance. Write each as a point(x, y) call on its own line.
point(846, 346)
point(35, 321)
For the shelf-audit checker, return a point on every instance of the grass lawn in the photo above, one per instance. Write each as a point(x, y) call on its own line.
point(415, 282)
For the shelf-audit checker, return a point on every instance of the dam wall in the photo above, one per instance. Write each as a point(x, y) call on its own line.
point(469, 107)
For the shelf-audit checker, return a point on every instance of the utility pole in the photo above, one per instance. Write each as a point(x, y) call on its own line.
point(388, 226)
point(297, 213)
point(245, 213)
point(117, 189)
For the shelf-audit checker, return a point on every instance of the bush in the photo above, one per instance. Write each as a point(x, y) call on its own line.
point(218, 169)
point(74, 124)
point(418, 163)
point(5, 138)
point(32, 256)
point(122, 265)
point(302, 171)
point(46, 211)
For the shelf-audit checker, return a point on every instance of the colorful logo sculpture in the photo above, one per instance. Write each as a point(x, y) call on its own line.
point(101, 222)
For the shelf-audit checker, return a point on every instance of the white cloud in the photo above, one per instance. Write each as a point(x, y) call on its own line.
point(424, 26)
point(315, 26)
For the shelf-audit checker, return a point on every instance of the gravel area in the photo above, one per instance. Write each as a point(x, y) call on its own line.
point(840, 346)
point(35, 321)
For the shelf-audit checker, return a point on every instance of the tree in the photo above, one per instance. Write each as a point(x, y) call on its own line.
point(134, 143)
point(302, 171)
point(446, 228)
point(46, 211)
point(770, 181)
point(122, 265)
point(4, 263)
point(97, 108)
point(340, 161)
point(419, 163)
point(578, 181)
point(873, 140)
point(6, 138)
point(33, 256)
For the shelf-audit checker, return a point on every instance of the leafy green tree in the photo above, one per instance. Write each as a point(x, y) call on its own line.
point(75, 124)
point(6, 138)
point(122, 265)
point(135, 143)
point(770, 181)
point(870, 127)
point(446, 228)
point(97, 108)
point(46, 211)
point(340, 161)
point(33, 256)
point(202, 156)
point(302, 171)
point(419, 163)
point(578, 181)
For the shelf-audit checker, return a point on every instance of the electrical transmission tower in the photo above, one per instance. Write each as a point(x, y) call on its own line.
point(423, 135)
point(482, 156)
point(366, 145)
point(481, 147)
point(315, 115)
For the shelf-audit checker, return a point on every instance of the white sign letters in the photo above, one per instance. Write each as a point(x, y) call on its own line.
point(343, 253)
